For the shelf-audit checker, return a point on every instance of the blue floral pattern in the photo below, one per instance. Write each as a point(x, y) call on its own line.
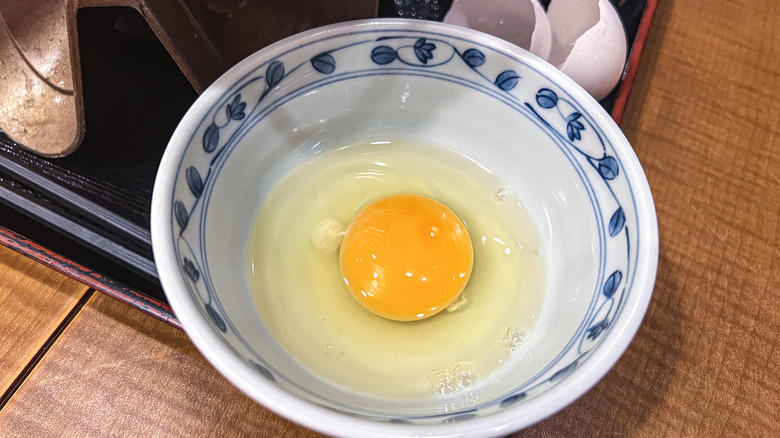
point(563, 118)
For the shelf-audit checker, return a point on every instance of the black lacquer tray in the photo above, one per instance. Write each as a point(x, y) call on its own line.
point(87, 215)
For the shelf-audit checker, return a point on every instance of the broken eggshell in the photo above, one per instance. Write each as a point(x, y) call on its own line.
point(521, 22)
point(585, 39)
point(588, 43)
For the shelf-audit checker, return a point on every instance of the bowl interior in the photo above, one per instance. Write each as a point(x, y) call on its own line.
point(435, 85)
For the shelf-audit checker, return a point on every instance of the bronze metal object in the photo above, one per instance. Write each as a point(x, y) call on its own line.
point(41, 104)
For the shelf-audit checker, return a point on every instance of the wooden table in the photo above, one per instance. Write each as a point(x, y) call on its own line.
point(704, 118)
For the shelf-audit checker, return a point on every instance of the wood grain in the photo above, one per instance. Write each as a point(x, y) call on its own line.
point(118, 372)
point(704, 119)
point(33, 302)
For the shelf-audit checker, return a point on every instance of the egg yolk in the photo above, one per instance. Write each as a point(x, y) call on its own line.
point(406, 257)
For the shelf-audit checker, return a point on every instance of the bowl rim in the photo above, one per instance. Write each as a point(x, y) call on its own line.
point(328, 421)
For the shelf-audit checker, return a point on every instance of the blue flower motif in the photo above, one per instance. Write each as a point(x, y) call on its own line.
point(423, 50)
point(235, 109)
point(473, 58)
point(383, 55)
point(546, 98)
point(596, 329)
point(574, 126)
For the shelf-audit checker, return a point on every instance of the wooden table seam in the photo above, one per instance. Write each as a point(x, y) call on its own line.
point(36, 358)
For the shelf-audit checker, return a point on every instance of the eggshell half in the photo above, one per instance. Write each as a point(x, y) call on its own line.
point(521, 22)
point(588, 43)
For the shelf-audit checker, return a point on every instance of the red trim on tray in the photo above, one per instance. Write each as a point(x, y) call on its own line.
point(95, 280)
point(633, 62)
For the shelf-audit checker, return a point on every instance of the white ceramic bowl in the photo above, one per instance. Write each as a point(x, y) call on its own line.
point(482, 97)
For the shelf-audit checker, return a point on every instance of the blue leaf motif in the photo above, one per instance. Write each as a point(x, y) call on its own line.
point(596, 329)
point(461, 417)
point(423, 50)
point(235, 109)
point(512, 399)
point(263, 370)
point(608, 167)
point(215, 316)
point(383, 55)
point(211, 138)
point(616, 222)
point(473, 58)
point(194, 181)
point(546, 98)
point(612, 283)
point(180, 212)
point(274, 74)
point(324, 63)
point(190, 270)
point(506, 80)
point(563, 372)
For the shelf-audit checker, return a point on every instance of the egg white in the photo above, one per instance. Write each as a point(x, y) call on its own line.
point(305, 305)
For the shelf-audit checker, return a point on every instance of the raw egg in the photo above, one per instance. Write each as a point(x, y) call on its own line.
point(406, 257)
point(314, 217)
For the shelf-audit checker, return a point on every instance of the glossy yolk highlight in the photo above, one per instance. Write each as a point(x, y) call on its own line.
point(406, 257)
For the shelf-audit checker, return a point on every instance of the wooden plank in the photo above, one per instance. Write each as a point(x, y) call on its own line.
point(34, 300)
point(118, 372)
